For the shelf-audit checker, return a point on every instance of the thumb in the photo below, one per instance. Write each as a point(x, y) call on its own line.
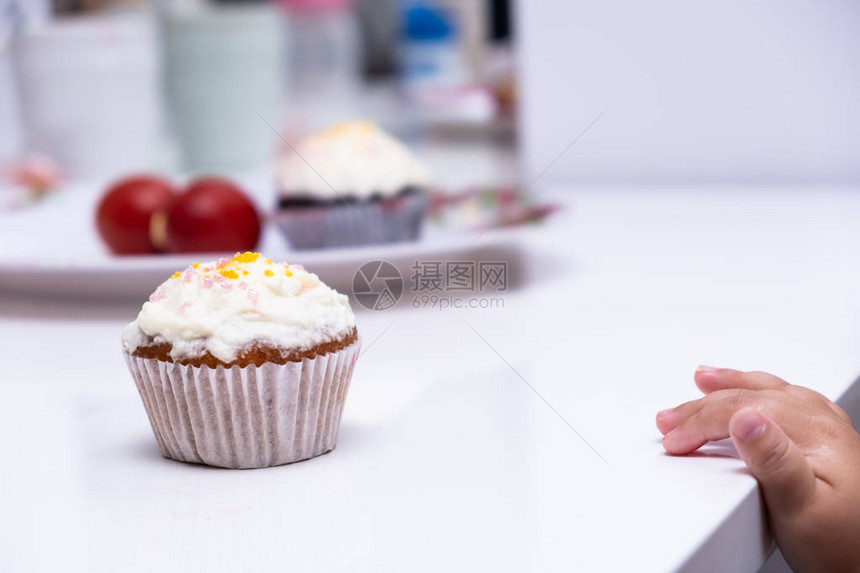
point(785, 476)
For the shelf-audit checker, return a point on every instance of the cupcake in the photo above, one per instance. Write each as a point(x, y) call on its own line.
point(351, 184)
point(243, 363)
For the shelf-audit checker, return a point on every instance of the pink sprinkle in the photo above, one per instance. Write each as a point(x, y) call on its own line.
point(207, 282)
point(157, 296)
point(252, 294)
point(226, 286)
point(188, 274)
point(183, 306)
point(207, 269)
point(299, 267)
point(222, 262)
point(243, 285)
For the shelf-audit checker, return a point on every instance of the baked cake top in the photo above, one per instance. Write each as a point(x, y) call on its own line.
point(350, 159)
point(225, 306)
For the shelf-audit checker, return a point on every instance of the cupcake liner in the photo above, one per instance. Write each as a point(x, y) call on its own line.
point(388, 220)
point(245, 417)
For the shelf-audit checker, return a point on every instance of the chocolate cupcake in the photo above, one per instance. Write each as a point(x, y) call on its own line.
point(351, 184)
point(243, 363)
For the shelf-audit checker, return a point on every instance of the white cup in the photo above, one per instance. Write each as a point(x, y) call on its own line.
point(90, 93)
point(223, 67)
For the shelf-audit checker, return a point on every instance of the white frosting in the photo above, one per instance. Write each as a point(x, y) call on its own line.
point(222, 307)
point(352, 159)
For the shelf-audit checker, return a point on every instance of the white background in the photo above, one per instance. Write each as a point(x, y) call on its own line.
point(728, 91)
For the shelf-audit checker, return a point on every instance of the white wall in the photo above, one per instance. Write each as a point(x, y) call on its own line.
point(712, 91)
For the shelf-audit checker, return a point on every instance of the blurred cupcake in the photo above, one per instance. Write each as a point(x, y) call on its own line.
point(243, 363)
point(351, 184)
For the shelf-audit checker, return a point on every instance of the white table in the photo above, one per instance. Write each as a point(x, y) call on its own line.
point(447, 459)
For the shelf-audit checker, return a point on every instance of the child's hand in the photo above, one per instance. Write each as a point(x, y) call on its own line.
point(800, 446)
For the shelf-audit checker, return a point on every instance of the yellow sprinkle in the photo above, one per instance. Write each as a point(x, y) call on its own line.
point(175, 275)
point(244, 272)
point(362, 127)
point(195, 265)
point(268, 261)
point(229, 273)
point(289, 273)
point(246, 257)
point(268, 273)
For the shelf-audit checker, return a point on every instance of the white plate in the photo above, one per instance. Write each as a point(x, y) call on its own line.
point(53, 248)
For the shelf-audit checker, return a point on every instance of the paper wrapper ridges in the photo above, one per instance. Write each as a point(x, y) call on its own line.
point(391, 220)
point(249, 417)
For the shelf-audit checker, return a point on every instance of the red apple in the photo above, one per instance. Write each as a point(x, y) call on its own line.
point(124, 213)
point(212, 215)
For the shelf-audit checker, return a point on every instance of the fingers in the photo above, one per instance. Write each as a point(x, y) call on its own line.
point(668, 420)
point(710, 379)
point(707, 419)
point(786, 478)
point(690, 425)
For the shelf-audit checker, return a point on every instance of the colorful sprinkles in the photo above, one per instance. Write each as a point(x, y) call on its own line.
point(227, 272)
